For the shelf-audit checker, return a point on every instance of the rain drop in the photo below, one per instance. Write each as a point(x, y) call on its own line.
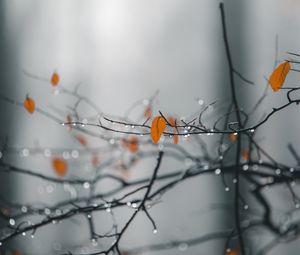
point(217, 171)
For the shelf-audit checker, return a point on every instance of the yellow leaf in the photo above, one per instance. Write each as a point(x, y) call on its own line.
point(157, 128)
point(278, 76)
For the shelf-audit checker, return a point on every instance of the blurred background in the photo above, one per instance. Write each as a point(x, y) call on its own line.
point(124, 51)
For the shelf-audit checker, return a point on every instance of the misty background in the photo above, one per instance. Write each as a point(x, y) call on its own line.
point(123, 51)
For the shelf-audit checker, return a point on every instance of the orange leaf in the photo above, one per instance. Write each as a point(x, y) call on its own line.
point(131, 144)
point(157, 128)
point(81, 139)
point(148, 112)
point(5, 211)
point(172, 121)
point(29, 104)
point(60, 166)
point(233, 252)
point(278, 76)
point(54, 79)
point(95, 160)
point(245, 154)
point(232, 137)
point(175, 139)
point(16, 252)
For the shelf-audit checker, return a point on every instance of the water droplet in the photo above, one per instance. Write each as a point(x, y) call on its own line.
point(132, 126)
point(89, 216)
point(94, 242)
point(217, 171)
point(246, 207)
point(297, 205)
point(155, 231)
point(24, 234)
point(278, 171)
point(200, 102)
point(47, 211)
point(47, 153)
point(58, 212)
point(112, 141)
point(210, 108)
point(182, 246)
point(66, 155)
point(227, 189)
point(32, 236)
point(24, 209)
point(49, 188)
point(86, 185)
point(12, 222)
point(292, 169)
point(75, 153)
point(25, 153)
point(252, 130)
point(245, 167)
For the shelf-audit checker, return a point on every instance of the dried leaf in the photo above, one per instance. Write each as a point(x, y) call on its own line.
point(131, 144)
point(54, 79)
point(60, 166)
point(157, 128)
point(29, 104)
point(81, 139)
point(148, 112)
point(278, 76)
point(69, 120)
